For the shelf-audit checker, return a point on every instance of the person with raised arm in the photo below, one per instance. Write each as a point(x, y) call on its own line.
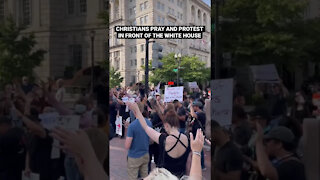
point(174, 146)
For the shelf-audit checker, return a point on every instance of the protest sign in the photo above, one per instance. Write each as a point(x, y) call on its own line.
point(125, 99)
point(119, 125)
point(193, 85)
point(222, 97)
point(265, 73)
point(172, 93)
point(69, 122)
point(49, 120)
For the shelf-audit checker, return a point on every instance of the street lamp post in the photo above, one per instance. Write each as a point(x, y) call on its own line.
point(92, 34)
point(178, 60)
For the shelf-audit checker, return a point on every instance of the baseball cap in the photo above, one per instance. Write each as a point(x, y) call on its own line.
point(280, 133)
point(197, 103)
point(157, 94)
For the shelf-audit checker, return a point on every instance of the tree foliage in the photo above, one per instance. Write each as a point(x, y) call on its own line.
point(115, 78)
point(17, 54)
point(192, 69)
point(269, 31)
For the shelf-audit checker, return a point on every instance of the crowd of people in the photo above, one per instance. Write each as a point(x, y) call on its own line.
point(29, 147)
point(264, 142)
point(160, 132)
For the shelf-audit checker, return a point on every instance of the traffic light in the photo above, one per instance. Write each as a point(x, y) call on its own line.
point(156, 56)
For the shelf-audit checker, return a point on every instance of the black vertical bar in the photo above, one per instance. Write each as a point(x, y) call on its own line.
point(216, 42)
point(147, 68)
point(92, 64)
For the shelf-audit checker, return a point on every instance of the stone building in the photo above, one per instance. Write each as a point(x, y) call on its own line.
point(62, 28)
point(128, 55)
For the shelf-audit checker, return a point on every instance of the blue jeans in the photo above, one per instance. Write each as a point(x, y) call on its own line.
point(71, 167)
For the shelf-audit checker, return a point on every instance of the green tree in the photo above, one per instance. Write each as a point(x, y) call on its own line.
point(17, 54)
point(268, 31)
point(115, 78)
point(191, 69)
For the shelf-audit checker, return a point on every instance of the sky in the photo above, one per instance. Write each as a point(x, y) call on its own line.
point(207, 2)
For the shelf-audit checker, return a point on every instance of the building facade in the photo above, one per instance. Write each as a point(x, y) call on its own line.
point(63, 28)
point(313, 9)
point(128, 56)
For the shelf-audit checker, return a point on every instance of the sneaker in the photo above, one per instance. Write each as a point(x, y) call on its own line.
point(203, 169)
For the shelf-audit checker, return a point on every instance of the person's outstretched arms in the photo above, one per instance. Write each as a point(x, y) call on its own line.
point(78, 143)
point(153, 134)
point(196, 147)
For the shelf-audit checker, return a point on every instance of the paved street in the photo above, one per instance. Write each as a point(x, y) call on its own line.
point(118, 162)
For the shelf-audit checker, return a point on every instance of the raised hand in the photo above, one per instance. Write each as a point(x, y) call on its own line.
point(77, 143)
point(133, 107)
point(197, 143)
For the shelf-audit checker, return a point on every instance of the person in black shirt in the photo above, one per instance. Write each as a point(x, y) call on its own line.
point(182, 115)
point(174, 146)
point(227, 161)
point(112, 113)
point(12, 150)
point(278, 144)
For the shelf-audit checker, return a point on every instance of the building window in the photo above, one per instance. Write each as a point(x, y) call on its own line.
point(142, 47)
point(117, 54)
point(70, 6)
point(131, 62)
point(158, 5)
point(26, 12)
point(75, 56)
point(83, 6)
point(146, 19)
point(133, 79)
point(141, 7)
point(135, 62)
point(135, 49)
point(1, 10)
point(141, 21)
point(145, 4)
point(132, 11)
point(142, 61)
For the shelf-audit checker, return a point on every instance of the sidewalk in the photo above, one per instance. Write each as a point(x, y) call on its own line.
point(118, 160)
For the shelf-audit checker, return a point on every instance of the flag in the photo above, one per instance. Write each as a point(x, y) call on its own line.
point(157, 89)
point(119, 125)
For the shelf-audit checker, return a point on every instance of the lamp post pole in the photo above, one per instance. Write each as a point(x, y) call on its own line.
point(178, 59)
